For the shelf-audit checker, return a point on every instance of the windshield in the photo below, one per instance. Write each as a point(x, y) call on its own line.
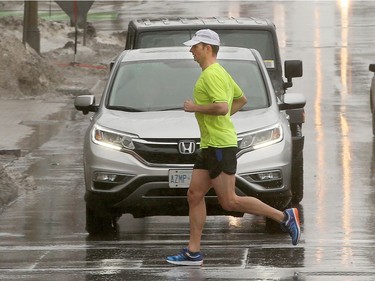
point(166, 84)
point(260, 40)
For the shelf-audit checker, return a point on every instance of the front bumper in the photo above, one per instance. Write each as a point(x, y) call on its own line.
point(151, 196)
point(146, 191)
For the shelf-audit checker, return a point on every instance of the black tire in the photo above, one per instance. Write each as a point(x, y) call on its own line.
point(273, 227)
point(97, 224)
point(297, 183)
point(297, 178)
point(371, 106)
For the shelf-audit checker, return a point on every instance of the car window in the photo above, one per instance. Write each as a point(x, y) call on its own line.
point(154, 85)
point(165, 85)
point(260, 40)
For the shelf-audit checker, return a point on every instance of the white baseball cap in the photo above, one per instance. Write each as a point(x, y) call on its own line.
point(207, 36)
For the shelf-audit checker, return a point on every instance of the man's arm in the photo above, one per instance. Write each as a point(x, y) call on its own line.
point(238, 104)
point(216, 108)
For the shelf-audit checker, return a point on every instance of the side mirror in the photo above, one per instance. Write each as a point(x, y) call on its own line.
point(371, 67)
point(292, 68)
point(86, 104)
point(293, 101)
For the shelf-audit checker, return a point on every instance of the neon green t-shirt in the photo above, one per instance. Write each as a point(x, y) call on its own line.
point(216, 85)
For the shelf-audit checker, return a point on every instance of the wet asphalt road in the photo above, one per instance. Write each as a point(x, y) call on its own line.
point(42, 234)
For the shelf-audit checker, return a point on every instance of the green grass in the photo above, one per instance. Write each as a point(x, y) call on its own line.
point(58, 15)
point(11, 13)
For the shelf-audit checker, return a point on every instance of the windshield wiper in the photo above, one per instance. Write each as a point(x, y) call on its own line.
point(124, 108)
point(171, 108)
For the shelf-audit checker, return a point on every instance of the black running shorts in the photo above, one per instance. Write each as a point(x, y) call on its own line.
point(217, 160)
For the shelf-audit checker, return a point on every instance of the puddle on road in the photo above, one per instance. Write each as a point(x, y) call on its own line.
point(60, 137)
point(44, 130)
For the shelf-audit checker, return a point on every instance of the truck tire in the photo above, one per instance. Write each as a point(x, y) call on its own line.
point(372, 113)
point(273, 227)
point(297, 184)
point(297, 178)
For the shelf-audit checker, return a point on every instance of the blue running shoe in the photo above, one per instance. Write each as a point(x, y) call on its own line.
point(291, 224)
point(185, 257)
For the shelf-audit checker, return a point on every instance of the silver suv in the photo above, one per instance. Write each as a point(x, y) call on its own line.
point(140, 146)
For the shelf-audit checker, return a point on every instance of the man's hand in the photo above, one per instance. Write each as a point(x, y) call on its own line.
point(238, 104)
point(189, 106)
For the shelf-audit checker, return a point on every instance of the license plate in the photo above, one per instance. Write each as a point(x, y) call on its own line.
point(179, 178)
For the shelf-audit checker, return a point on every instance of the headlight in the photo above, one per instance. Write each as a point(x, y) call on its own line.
point(112, 139)
point(261, 138)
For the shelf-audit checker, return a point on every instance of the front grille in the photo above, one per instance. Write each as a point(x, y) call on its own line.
point(162, 151)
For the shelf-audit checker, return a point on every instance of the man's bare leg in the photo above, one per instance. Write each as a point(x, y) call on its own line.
point(200, 184)
point(224, 186)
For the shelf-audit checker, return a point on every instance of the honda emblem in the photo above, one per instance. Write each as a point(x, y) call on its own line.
point(186, 147)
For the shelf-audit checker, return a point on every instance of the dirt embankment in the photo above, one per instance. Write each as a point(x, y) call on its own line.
point(25, 73)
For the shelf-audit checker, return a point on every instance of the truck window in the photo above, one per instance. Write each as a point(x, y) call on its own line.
point(163, 38)
point(260, 40)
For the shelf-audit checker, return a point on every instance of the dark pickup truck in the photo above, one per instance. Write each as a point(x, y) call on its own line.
point(257, 33)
